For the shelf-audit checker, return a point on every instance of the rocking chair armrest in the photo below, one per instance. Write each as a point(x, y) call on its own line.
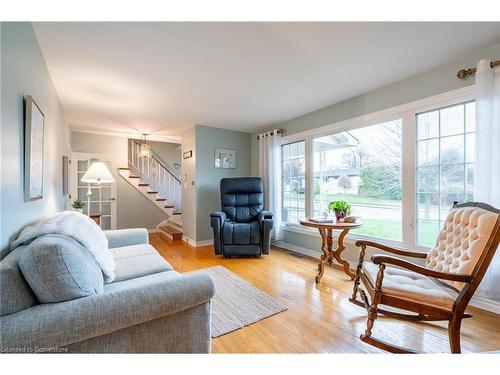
point(387, 259)
point(413, 254)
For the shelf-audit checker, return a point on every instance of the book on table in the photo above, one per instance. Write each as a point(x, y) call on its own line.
point(321, 220)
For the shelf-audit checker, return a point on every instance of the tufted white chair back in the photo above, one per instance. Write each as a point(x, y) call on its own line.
point(462, 241)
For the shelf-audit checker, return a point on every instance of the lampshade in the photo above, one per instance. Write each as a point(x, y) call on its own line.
point(98, 173)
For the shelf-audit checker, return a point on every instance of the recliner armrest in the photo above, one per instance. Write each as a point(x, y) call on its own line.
point(219, 214)
point(265, 215)
point(217, 220)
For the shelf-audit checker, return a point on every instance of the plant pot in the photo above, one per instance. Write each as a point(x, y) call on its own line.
point(80, 210)
point(340, 214)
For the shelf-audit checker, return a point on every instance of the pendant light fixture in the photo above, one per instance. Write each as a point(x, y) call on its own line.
point(145, 148)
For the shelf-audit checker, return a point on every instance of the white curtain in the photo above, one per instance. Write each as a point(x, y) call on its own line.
point(270, 171)
point(487, 168)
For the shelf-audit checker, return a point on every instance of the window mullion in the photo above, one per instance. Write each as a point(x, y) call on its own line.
point(309, 176)
point(409, 171)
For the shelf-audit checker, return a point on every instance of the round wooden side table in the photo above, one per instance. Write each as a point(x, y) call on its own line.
point(326, 232)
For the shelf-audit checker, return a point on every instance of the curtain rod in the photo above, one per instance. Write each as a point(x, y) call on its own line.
point(464, 73)
point(279, 131)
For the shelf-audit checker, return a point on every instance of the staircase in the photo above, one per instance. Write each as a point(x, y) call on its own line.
point(159, 184)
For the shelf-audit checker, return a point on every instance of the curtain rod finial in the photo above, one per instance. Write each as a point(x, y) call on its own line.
point(463, 73)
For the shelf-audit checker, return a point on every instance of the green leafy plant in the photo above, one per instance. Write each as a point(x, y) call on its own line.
point(77, 204)
point(341, 208)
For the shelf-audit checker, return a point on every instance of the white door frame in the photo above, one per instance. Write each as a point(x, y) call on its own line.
point(73, 173)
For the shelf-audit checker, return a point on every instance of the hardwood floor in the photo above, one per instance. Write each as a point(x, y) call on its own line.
point(319, 319)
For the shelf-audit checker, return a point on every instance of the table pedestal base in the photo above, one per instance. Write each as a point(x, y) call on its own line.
point(329, 254)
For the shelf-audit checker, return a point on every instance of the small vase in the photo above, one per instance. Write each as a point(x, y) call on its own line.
point(80, 210)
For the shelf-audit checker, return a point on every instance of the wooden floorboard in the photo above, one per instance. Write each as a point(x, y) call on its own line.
point(319, 318)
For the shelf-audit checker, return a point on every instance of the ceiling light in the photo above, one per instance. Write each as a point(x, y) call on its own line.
point(145, 148)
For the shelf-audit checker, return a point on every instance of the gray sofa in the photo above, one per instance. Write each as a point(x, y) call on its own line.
point(242, 227)
point(148, 308)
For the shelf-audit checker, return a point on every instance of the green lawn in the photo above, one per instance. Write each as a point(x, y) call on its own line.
point(353, 199)
point(358, 199)
point(382, 228)
point(388, 229)
point(391, 230)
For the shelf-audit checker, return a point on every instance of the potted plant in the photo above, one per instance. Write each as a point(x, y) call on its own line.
point(341, 208)
point(78, 205)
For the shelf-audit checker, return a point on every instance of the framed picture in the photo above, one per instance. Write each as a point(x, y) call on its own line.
point(225, 158)
point(33, 150)
point(65, 163)
point(187, 154)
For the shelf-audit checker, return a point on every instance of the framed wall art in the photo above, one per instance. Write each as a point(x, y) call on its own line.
point(65, 163)
point(225, 158)
point(33, 150)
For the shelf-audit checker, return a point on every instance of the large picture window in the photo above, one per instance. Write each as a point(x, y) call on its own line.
point(445, 165)
point(363, 167)
point(401, 169)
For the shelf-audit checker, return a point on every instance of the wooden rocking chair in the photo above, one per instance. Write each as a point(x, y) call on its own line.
point(443, 288)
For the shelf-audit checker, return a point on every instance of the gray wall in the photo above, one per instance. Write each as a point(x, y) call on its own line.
point(133, 209)
point(436, 81)
point(208, 177)
point(203, 197)
point(188, 204)
point(24, 72)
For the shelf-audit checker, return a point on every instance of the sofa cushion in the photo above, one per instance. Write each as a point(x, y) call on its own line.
point(58, 268)
point(137, 261)
point(16, 293)
point(241, 233)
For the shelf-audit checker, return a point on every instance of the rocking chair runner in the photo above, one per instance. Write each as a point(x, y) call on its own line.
point(443, 288)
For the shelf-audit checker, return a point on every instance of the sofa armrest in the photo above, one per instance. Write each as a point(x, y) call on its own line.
point(126, 237)
point(125, 304)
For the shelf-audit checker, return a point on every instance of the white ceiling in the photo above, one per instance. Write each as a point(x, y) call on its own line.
point(163, 78)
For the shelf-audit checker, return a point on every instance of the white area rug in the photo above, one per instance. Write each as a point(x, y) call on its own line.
point(237, 303)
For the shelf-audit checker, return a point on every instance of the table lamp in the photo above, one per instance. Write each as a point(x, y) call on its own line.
point(98, 173)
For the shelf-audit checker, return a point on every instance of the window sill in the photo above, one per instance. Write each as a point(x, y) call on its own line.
point(352, 238)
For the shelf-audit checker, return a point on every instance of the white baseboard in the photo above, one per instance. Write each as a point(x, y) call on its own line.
point(197, 243)
point(485, 304)
point(297, 249)
point(204, 243)
point(479, 302)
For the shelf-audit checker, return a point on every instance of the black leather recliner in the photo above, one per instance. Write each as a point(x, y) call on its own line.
point(242, 228)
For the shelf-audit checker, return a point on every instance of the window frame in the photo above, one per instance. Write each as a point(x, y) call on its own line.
point(408, 115)
point(439, 164)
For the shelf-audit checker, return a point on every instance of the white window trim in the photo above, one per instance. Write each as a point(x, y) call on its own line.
point(407, 113)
